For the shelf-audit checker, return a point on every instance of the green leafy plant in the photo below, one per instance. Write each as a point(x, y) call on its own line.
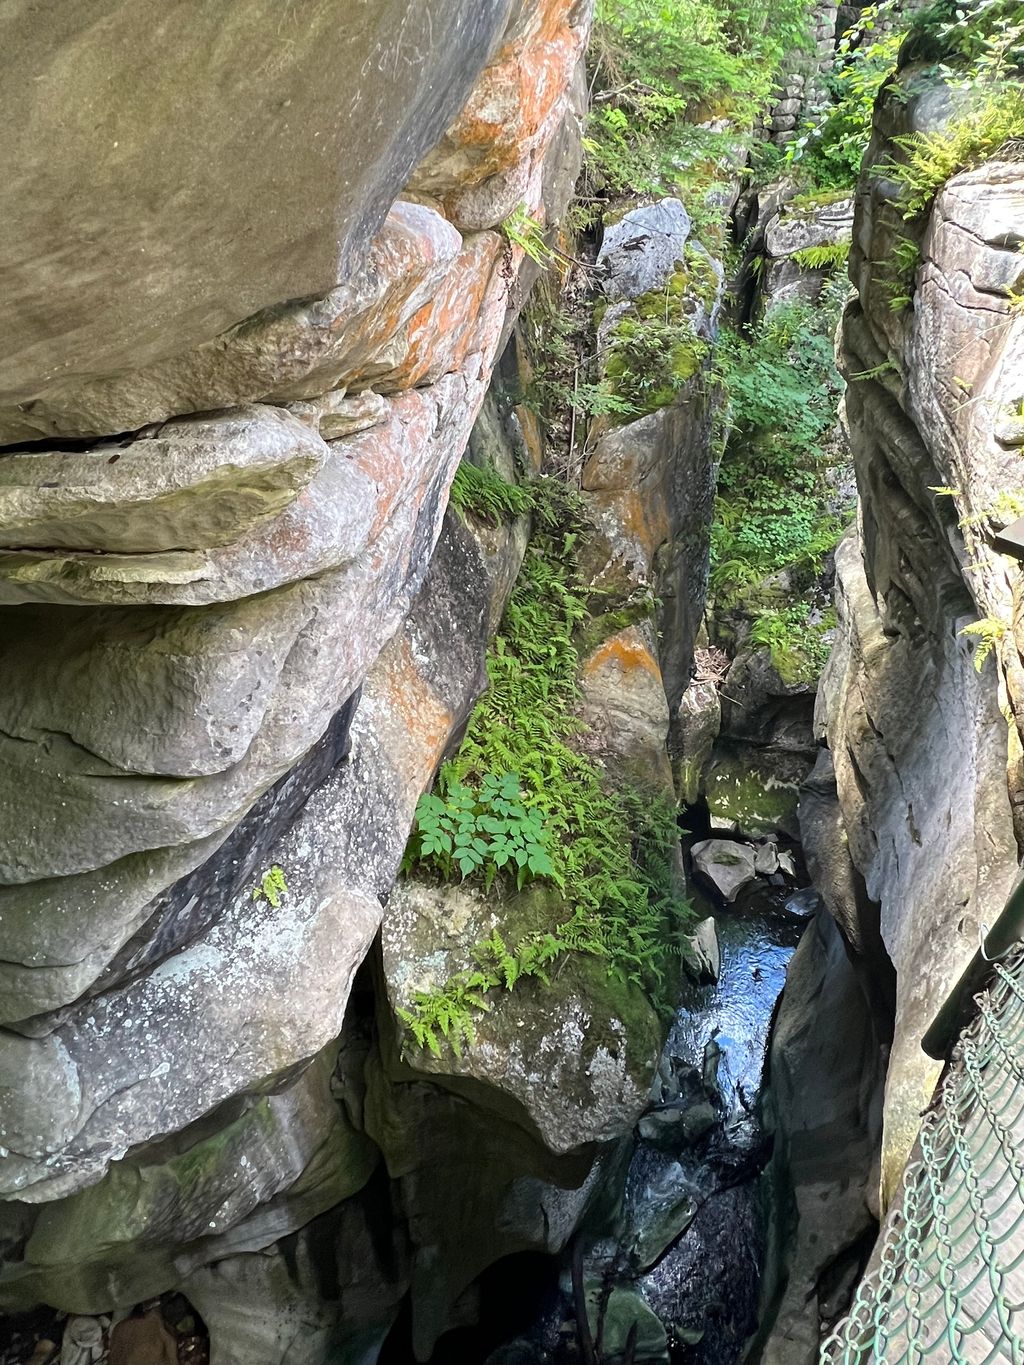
point(482, 831)
point(828, 256)
point(799, 647)
point(989, 632)
point(990, 118)
point(663, 68)
point(775, 505)
point(522, 230)
point(828, 154)
point(609, 851)
point(1000, 510)
point(271, 887)
point(977, 47)
point(449, 1014)
point(487, 495)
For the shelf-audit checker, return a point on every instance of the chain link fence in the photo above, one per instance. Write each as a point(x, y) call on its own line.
point(948, 1284)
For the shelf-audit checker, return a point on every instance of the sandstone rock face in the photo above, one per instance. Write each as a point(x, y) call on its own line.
point(559, 1072)
point(640, 251)
point(625, 707)
point(649, 484)
point(481, 169)
point(926, 748)
point(790, 232)
point(301, 175)
point(232, 656)
point(579, 1072)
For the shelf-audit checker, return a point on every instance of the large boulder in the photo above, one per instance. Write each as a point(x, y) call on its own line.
point(727, 866)
point(642, 249)
point(297, 168)
point(825, 1106)
point(229, 477)
point(625, 708)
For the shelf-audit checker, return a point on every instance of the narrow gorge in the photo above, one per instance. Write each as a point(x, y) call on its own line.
point(512, 707)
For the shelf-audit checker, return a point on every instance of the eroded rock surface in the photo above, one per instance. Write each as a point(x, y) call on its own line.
point(232, 656)
point(300, 169)
point(926, 747)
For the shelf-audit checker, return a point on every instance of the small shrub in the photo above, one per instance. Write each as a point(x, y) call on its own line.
point(484, 831)
point(991, 118)
point(662, 68)
point(828, 155)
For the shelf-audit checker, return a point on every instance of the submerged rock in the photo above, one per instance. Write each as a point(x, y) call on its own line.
point(625, 1318)
point(676, 1125)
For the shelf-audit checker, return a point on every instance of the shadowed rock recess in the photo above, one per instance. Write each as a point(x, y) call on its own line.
point(256, 294)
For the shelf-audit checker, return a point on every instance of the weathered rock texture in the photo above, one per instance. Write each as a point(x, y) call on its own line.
point(917, 849)
point(826, 1068)
point(229, 645)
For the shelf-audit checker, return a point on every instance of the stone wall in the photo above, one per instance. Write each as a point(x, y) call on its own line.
point(802, 94)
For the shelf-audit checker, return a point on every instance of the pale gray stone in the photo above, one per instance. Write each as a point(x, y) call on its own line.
point(695, 729)
point(642, 250)
point(193, 484)
point(727, 865)
point(704, 952)
point(298, 168)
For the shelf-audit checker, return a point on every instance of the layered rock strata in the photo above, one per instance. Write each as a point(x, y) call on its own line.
point(232, 660)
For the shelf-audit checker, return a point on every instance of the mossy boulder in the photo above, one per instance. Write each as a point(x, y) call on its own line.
point(571, 1058)
point(755, 792)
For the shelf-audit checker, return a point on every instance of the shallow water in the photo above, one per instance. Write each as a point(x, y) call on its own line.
point(756, 938)
point(689, 1236)
point(704, 1286)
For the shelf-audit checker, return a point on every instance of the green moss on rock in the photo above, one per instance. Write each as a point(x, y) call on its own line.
point(756, 795)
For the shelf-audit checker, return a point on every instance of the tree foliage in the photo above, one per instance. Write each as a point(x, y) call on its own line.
point(662, 68)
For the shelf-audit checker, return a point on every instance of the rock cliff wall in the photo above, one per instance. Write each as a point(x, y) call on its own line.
point(912, 817)
point(229, 646)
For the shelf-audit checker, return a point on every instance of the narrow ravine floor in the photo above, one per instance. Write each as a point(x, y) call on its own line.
point(673, 1271)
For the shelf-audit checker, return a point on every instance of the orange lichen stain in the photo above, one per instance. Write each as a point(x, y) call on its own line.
point(386, 454)
point(626, 652)
point(634, 522)
point(442, 333)
point(422, 723)
point(519, 93)
point(407, 261)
